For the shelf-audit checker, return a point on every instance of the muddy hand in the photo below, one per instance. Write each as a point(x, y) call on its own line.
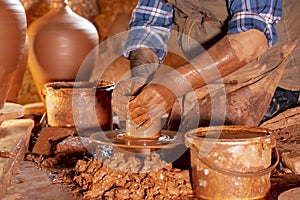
point(123, 93)
point(153, 101)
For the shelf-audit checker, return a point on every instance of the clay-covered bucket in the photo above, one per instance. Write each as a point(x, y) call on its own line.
point(231, 162)
point(82, 105)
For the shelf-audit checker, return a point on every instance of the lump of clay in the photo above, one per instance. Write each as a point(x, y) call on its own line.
point(104, 180)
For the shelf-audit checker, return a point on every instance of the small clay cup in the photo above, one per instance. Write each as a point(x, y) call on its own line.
point(151, 132)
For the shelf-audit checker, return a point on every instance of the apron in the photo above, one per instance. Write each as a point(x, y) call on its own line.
point(247, 92)
point(289, 31)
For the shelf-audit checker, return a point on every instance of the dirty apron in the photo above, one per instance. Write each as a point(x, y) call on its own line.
point(248, 91)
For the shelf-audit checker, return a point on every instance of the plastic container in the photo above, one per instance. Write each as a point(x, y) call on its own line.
point(231, 162)
point(83, 105)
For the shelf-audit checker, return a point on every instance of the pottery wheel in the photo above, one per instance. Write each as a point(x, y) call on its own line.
point(167, 140)
point(11, 111)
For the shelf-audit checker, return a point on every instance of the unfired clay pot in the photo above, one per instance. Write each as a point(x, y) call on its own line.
point(13, 28)
point(19, 76)
point(58, 44)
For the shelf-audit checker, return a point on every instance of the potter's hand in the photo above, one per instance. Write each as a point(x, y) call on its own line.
point(123, 92)
point(143, 64)
point(154, 101)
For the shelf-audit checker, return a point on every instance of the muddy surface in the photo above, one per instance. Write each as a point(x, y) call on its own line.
point(34, 183)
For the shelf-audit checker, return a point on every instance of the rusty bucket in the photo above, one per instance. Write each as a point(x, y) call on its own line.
point(83, 105)
point(231, 162)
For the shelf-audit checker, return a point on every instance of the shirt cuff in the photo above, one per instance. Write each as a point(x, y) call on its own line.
point(244, 21)
point(146, 37)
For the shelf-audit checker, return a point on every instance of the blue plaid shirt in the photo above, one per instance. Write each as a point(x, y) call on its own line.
point(152, 22)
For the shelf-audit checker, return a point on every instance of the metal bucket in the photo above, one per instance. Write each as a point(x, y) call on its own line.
point(83, 105)
point(231, 162)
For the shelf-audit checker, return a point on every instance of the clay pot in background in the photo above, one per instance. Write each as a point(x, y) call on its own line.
point(120, 66)
point(13, 28)
point(88, 9)
point(19, 76)
point(58, 44)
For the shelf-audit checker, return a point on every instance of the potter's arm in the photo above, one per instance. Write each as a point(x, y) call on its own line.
point(226, 56)
point(143, 62)
point(145, 47)
point(251, 30)
point(150, 28)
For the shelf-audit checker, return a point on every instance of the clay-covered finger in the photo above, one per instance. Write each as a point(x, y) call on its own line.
point(144, 117)
point(119, 106)
point(143, 126)
point(155, 115)
point(138, 111)
point(141, 120)
point(157, 111)
point(141, 100)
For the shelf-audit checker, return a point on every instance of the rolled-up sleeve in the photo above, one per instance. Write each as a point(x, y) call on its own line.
point(255, 14)
point(150, 27)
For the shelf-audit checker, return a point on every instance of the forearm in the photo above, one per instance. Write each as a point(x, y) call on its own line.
point(143, 62)
point(150, 28)
point(226, 56)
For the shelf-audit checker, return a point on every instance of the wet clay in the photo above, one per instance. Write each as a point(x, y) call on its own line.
point(116, 175)
point(34, 183)
point(49, 136)
point(245, 49)
point(46, 183)
point(103, 181)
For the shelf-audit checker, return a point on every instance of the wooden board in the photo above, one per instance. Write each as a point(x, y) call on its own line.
point(14, 138)
point(11, 111)
point(286, 127)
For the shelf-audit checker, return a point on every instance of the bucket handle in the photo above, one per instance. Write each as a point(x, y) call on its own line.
point(236, 173)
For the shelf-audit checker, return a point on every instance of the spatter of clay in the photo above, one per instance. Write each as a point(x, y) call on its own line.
point(100, 180)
